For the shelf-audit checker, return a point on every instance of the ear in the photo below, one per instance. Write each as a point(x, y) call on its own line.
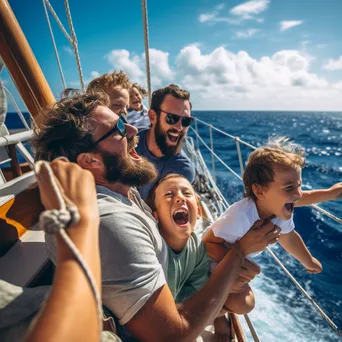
point(89, 161)
point(152, 115)
point(258, 191)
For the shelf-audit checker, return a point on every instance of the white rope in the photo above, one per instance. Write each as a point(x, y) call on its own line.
point(15, 105)
point(74, 44)
point(56, 221)
point(54, 44)
point(58, 21)
point(147, 53)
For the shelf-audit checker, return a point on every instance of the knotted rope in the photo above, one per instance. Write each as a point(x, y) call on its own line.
point(57, 221)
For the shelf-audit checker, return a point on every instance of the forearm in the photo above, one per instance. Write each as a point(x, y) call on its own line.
point(200, 309)
point(315, 196)
point(295, 245)
point(215, 251)
point(71, 295)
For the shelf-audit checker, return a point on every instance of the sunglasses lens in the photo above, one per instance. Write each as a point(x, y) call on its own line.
point(186, 122)
point(172, 119)
point(121, 126)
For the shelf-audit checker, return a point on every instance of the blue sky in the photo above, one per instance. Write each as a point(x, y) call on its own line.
point(259, 54)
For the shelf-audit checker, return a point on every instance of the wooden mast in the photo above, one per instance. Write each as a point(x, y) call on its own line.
point(21, 63)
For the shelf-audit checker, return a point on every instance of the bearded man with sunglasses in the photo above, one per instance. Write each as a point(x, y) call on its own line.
point(170, 117)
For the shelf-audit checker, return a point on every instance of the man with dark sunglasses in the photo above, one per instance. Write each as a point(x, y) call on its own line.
point(161, 144)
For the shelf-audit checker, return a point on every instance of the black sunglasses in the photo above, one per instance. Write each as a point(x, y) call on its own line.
point(120, 127)
point(172, 119)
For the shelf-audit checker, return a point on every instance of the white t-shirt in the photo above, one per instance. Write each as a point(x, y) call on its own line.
point(236, 221)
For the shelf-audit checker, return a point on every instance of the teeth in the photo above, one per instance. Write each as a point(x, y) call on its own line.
point(180, 211)
point(174, 134)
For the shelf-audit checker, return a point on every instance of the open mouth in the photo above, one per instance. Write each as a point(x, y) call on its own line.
point(289, 206)
point(134, 155)
point(173, 136)
point(181, 217)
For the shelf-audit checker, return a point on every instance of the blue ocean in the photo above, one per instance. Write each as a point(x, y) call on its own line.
point(282, 313)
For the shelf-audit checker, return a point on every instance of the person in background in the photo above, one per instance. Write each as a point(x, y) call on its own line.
point(175, 205)
point(137, 112)
point(117, 86)
point(170, 116)
point(133, 254)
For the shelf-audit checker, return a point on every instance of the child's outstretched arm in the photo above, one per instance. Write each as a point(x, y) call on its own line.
point(214, 246)
point(294, 244)
point(316, 196)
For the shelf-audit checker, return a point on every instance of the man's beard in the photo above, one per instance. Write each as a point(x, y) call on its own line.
point(126, 171)
point(161, 137)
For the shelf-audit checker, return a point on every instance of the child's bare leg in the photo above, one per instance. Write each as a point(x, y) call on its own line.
point(242, 302)
point(223, 331)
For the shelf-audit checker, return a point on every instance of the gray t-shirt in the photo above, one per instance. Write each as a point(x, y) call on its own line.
point(133, 254)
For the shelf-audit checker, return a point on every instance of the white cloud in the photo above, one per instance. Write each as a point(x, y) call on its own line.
point(134, 65)
point(246, 33)
point(287, 24)
point(69, 50)
point(223, 79)
point(250, 8)
point(123, 60)
point(333, 64)
point(238, 13)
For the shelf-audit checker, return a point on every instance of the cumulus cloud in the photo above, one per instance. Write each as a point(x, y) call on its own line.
point(246, 33)
point(250, 8)
point(134, 65)
point(223, 79)
point(287, 24)
point(333, 64)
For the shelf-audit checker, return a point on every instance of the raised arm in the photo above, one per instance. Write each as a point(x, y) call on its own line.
point(70, 313)
point(294, 244)
point(214, 246)
point(162, 320)
point(322, 195)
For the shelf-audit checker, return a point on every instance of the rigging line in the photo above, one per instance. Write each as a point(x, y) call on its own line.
point(58, 21)
point(54, 45)
point(218, 158)
point(15, 105)
point(74, 44)
point(147, 51)
point(316, 306)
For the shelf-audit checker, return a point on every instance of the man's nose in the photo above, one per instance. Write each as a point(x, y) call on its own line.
point(178, 125)
point(131, 131)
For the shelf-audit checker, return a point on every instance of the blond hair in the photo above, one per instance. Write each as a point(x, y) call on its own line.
point(279, 151)
point(110, 80)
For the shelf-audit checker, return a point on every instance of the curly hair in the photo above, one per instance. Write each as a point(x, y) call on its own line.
point(140, 89)
point(66, 128)
point(158, 96)
point(110, 80)
point(260, 165)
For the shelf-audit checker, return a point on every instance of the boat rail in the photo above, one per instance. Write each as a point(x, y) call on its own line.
point(223, 200)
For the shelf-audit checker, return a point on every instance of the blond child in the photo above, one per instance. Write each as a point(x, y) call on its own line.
point(137, 112)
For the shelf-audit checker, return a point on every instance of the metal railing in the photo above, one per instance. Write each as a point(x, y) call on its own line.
point(214, 156)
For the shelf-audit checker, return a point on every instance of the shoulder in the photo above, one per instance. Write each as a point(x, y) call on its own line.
point(285, 226)
point(180, 164)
